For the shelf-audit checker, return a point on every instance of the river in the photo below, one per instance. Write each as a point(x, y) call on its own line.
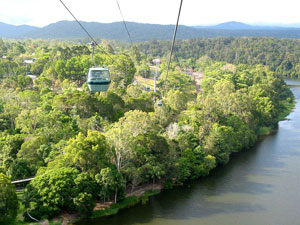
point(257, 187)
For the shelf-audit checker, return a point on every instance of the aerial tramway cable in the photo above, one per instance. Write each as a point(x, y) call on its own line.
point(94, 41)
point(174, 38)
point(86, 30)
point(98, 78)
point(124, 22)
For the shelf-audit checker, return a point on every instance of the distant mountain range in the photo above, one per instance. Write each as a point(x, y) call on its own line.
point(233, 25)
point(12, 31)
point(142, 32)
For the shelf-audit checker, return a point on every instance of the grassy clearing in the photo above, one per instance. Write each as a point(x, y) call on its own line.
point(114, 208)
point(145, 81)
point(126, 203)
point(264, 131)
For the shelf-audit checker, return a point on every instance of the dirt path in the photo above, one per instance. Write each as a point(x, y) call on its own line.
point(198, 77)
point(139, 191)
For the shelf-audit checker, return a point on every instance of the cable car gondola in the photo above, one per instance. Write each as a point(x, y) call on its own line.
point(98, 79)
point(160, 103)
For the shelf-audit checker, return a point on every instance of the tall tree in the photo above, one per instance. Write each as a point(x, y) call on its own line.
point(8, 199)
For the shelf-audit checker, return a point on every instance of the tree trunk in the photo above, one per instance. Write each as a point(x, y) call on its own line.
point(12, 124)
point(153, 183)
point(116, 195)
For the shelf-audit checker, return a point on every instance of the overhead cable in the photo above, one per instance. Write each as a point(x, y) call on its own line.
point(174, 38)
point(124, 22)
point(85, 30)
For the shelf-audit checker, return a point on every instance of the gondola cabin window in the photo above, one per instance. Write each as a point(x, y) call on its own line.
point(98, 79)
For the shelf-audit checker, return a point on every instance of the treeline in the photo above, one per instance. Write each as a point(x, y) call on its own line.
point(280, 55)
point(83, 148)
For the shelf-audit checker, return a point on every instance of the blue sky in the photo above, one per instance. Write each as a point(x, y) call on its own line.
point(194, 12)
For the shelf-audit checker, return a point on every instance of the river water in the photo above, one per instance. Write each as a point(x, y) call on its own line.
point(257, 187)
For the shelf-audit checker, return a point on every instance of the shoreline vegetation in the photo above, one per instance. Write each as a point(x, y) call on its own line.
point(144, 193)
point(140, 196)
point(87, 149)
point(133, 200)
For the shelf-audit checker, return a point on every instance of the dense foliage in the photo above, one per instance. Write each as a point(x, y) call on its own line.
point(280, 55)
point(64, 189)
point(8, 199)
point(84, 147)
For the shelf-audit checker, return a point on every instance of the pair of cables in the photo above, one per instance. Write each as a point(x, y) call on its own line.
point(90, 36)
point(94, 41)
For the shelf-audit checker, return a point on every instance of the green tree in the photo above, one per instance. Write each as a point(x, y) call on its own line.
point(9, 148)
point(150, 152)
point(144, 70)
point(8, 199)
point(56, 190)
point(85, 200)
point(135, 54)
point(19, 169)
point(88, 153)
point(24, 82)
point(220, 143)
point(38, 66)
point(122, 71)
point(33, 152)
point(122, 135)
point(111, 181)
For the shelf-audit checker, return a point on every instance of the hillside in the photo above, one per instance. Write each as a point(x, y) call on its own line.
point(233, 25)
point(142, 32)
point(11, 31)
point(112, 31)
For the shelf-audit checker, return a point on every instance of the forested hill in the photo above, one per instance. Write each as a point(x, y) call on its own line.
point(139, 31)
point(234, 25)
point(111, 31)
point(11, 31)
point(280, 55)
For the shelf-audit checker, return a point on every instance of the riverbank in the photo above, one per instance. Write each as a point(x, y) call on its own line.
point(132, 200)
point(139, 196)
point(128, 202)
point(288, 108)
point(251, 189)
point(223, 138)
